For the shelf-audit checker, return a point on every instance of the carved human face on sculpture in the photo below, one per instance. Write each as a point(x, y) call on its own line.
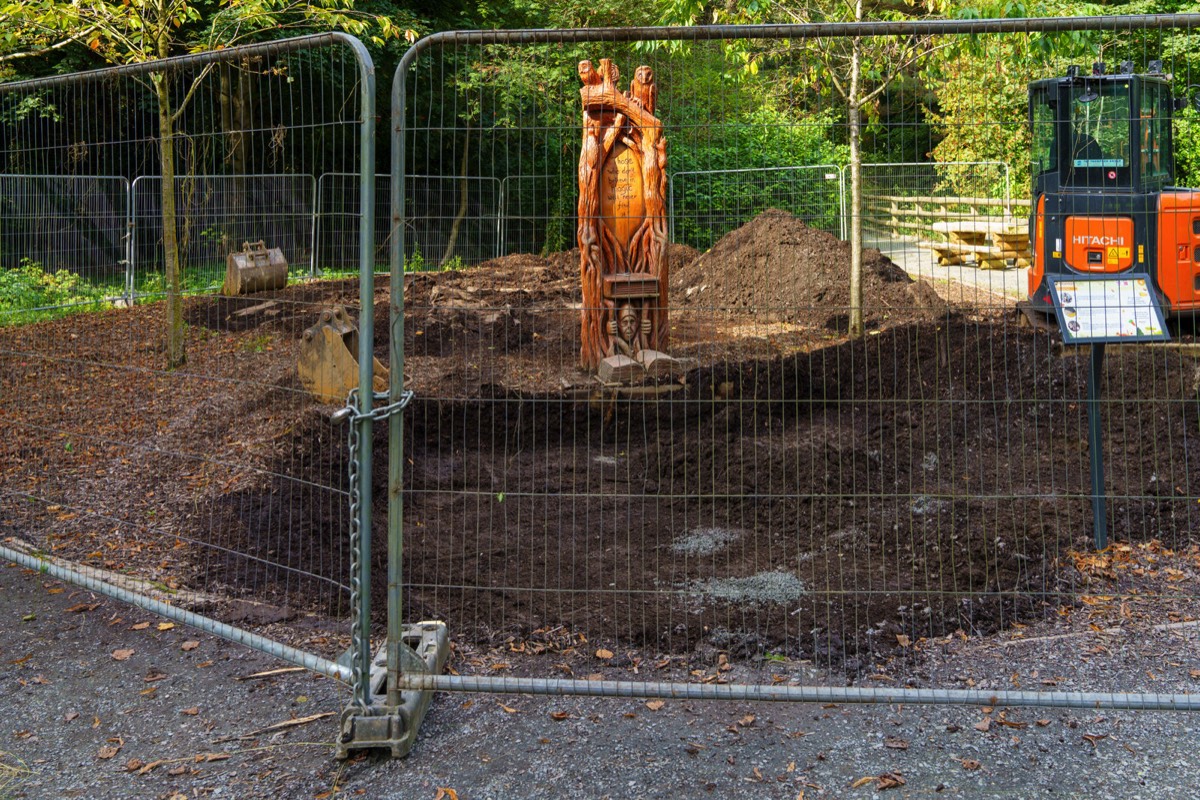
point(627, 323)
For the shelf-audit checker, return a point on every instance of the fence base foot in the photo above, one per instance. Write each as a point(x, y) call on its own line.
point(395, 727)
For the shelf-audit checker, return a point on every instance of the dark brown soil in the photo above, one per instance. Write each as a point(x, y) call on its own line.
point(779, 268)
point(792, 491)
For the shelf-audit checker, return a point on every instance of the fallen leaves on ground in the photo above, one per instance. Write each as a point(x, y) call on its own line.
point(895, 743)
point(122, 654)
point(445, 793)
point(109, 750)
point(1092, 738)
point(604, 654)
point(655, 705)
point(970, 763)
point(190, 644)
point(884, 780)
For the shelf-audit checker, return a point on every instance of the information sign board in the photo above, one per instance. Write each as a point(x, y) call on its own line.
point(1095, 308)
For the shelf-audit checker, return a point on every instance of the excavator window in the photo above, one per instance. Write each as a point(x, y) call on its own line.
point(1044, 126)
point(1154, 118)
point(1099, 135)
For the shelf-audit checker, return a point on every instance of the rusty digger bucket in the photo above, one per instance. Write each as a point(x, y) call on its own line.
point(328, 362)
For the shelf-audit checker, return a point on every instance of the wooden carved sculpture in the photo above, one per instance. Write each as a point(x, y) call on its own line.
point(622, 232)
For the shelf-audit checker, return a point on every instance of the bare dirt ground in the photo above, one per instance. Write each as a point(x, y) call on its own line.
point(173, 720)
point(795, 506)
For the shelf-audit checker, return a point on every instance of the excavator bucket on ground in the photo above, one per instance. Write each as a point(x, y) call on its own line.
point(328, 362)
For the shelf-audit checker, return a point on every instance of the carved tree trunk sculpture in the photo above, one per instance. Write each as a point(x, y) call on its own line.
point(622, 231)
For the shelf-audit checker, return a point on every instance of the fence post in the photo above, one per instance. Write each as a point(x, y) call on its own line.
point(129, 271)
point(316, 220)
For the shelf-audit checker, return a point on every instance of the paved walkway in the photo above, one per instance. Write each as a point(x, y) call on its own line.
point(976, 285)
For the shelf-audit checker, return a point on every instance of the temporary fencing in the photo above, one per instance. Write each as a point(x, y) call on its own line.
point(834, 505)
point(217, 215)
point(706, 205)
point(832, 492)
point(176, 462)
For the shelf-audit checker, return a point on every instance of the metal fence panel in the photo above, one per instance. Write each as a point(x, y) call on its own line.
point(433, 204)
point(834, 510)
point(704, 206)
point(217, 215)
point(215, 490)
point(78, 223)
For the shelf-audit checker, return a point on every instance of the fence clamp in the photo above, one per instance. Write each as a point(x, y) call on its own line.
point(352, 414)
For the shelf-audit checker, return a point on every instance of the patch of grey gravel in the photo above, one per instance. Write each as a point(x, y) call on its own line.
point(705, 541)
point(762, 587)
point(923, 504)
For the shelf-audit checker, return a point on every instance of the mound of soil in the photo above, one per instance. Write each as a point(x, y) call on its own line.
point(777, 266)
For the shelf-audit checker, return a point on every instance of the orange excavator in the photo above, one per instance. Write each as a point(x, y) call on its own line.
point(1104, 200)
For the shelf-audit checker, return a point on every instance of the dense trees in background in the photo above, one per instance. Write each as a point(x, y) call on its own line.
point(510, 111)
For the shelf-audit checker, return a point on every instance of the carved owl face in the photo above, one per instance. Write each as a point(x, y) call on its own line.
point(644, 75)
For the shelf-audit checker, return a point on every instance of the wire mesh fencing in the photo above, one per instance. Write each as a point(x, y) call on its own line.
point(206, 483)
point(704, 206)
point(452, 222)
point(835, 493)
point(216, 215)
point(77, 224)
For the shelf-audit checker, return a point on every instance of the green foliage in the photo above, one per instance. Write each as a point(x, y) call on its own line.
point(30, 293)
point(981, 116)
point(416, 261)
point(1187, 147)
point(194, 280)
point(719, 195)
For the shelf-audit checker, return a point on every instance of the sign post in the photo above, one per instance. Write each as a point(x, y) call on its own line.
point(1095, 310)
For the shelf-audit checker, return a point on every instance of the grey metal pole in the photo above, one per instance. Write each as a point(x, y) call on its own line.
point(361, 638)
point(395, 606)
point(1096, 446)
point(184, 617)
point(802, 694)
point(784, 693)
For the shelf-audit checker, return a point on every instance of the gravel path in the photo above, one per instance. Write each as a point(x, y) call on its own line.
point(66, 702)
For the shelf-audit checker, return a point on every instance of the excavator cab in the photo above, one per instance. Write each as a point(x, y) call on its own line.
point(1103, 174)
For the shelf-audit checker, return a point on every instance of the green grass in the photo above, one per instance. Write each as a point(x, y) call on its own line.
point(12, 771)
point(30, 293)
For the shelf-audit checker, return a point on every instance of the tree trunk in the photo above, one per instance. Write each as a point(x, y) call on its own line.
point(857, 327)
point(176, 355)
point(233, 98)
point(452, 240)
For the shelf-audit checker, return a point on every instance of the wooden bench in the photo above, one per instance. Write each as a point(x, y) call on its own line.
point(993, 243)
